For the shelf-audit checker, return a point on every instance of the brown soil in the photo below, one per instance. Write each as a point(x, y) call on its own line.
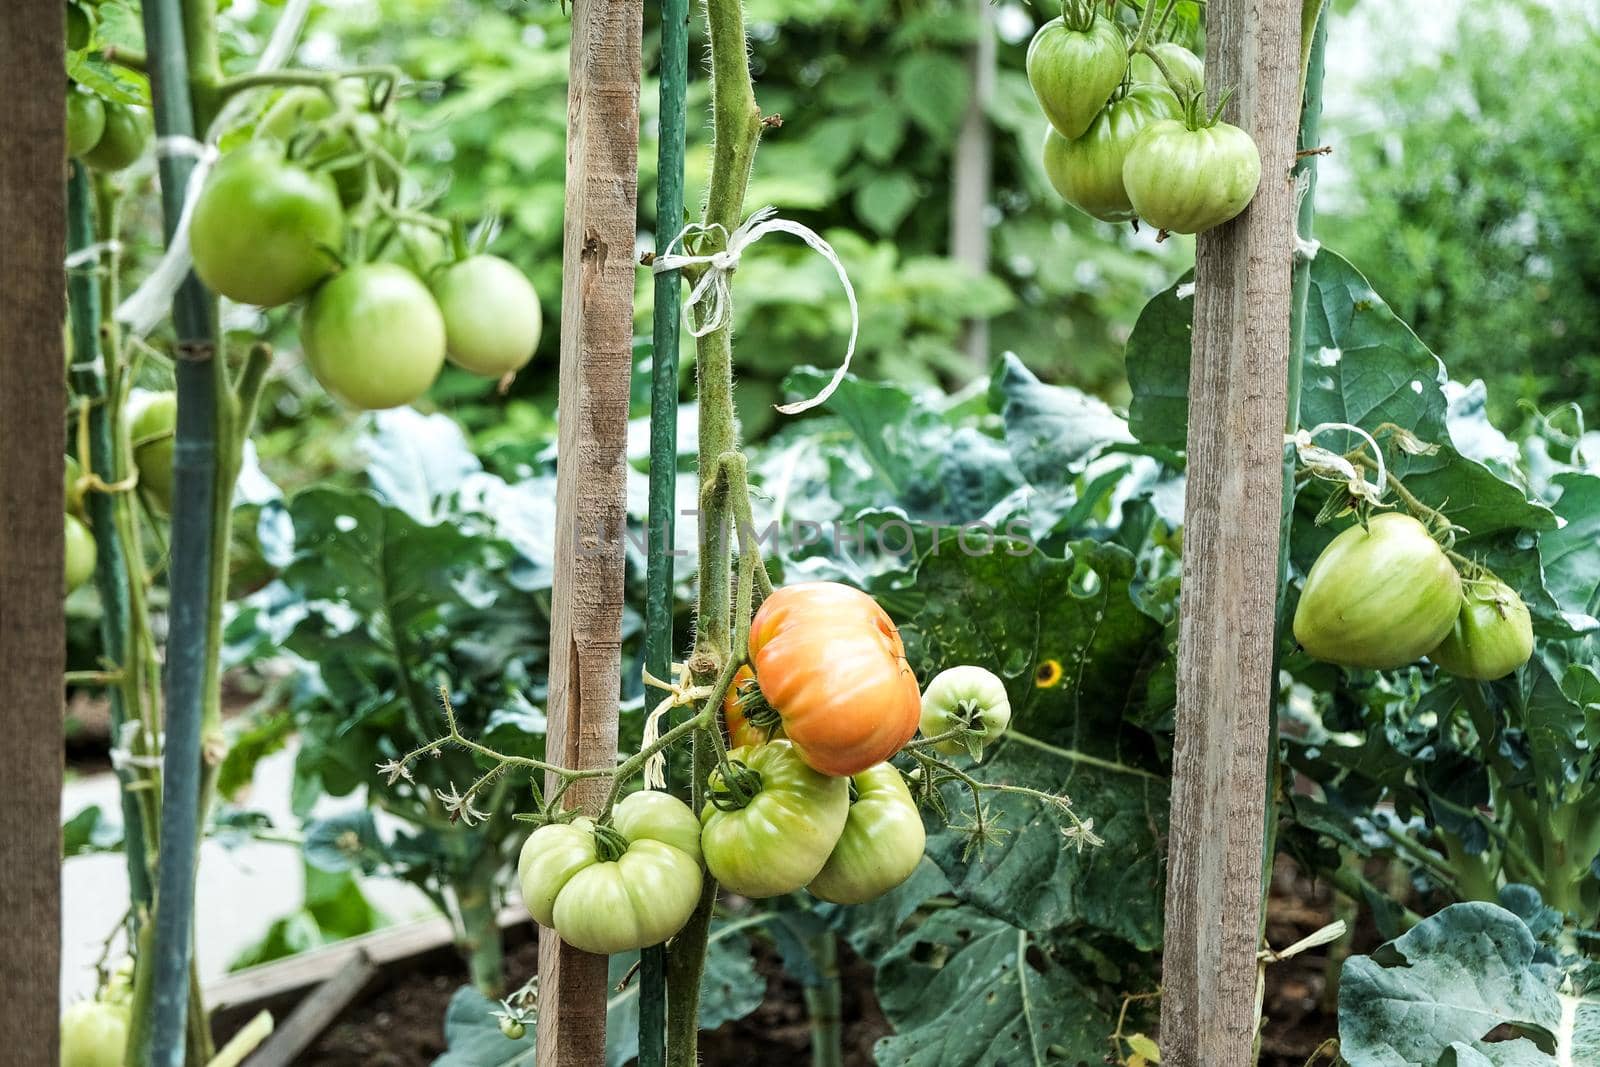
point(399, 1021)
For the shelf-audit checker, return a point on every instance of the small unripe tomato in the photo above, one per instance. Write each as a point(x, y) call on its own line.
point(1492, 636)
point(491, 315)
point(80, 553)
point(122, 140)
point(152, 425)
point(94, 1033)
point(265, 229)
point(968, 695)
point(1087, 171)
point(514, 1029)
point(86, 121)
point(1378, 597)
point(374, 337)
point(1184, 66)
point(1074, 69)
point(73, 475)
point(1185, 180)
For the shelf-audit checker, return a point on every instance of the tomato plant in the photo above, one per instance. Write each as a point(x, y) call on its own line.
point(265, 230)
point(1188, 73)
point(881, 844)
point(968, 698)
point(374, 336)
point(619, 887)
point(94, 1033)
point(1087, 171)
point(1382, 595)
point(1492, 636)
point(1188, 176)
point(152, 420)
point(86, 121)
point(122, 138)
point(829, 660)
point(491, 315)
point(80, 553)
point(1075, 62)
point(781, 838)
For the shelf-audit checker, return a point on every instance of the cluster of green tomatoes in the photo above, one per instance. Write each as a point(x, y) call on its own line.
point(308, 208)
point(805, 799)
point(1384, 594)
point(1129, 137)
point(150, 419)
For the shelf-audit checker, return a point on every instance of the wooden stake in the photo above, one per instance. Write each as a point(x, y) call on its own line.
point(1237, 390)
point(33, 399)
point(596, 367)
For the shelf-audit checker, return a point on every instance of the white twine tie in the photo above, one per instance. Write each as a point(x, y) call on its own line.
point(1326, 462)
point(147, 306)
point(712, 294)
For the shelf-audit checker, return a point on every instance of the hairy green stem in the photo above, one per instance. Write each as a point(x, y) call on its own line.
point(736, 125)
point(824, 1001)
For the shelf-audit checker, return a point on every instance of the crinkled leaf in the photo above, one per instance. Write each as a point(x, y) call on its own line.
point(967, 990)
point(1453, 978)
point(414, 461)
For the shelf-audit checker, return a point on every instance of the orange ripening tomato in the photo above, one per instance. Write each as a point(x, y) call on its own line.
point(830, 661)
point(741, 731)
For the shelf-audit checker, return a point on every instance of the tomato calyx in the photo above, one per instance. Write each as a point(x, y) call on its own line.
point(609, 843)
point(1195, 116)
point(1078, 15)
point(736, 786)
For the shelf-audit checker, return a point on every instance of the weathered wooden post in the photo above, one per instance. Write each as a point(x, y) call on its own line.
point(33, 399)
point(1237, 390)
point(596, 365)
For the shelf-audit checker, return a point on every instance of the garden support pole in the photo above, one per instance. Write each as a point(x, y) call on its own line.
point(658, 643)
point(1237, 408)
point(591, 467)
point(171, 31)
point(970, 184)
point(32, 625)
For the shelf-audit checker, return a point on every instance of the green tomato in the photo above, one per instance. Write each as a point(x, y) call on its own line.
point(300, 109)
point(1087, 172)
point(374, 337)
point(965, 696)
point(491, 315)
point(417, 248)
point(79, 28)
point(881, 844)
point(86, 121)
point(1074, 70)
point(1185, 181)
point(1184, 66)
point(1380, 597)
point(265, 230)
point(122, 140)
point(94, 1034)
point(152, 420)
point(73, 476)
point(782, 839)
point(640, 898)
point(80, 553)
point(1492, 636)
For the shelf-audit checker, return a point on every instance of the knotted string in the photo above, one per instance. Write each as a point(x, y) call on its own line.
point(712, 297)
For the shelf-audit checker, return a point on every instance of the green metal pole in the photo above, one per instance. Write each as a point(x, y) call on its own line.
point(194, 477)
point(88, 373)
point(664, 448)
